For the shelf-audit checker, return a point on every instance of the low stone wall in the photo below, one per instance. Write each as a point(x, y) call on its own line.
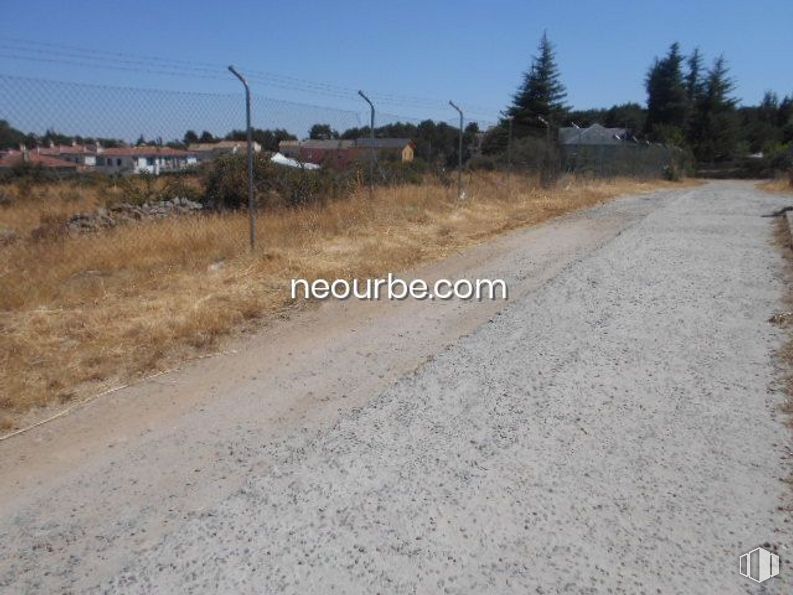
point(127, 213)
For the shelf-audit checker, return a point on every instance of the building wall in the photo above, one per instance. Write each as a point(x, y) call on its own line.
point(113, 164)
point(120, 164)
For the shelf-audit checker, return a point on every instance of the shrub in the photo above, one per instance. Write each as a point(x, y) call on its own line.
point(484, 162)
point(31, 173)
point(226, 183)
point(139, 189)
point(395, 173)
point(534, 154)
point(180, 187)
point(672, 173)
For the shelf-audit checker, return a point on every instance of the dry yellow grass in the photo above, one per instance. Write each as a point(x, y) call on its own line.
point(782, 185)
point(784, 242)
point(80, 313)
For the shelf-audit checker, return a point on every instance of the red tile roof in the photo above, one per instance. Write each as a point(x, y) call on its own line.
point(66, 150)
point(16, 158)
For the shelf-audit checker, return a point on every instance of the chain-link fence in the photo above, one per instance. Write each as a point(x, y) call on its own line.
point(623, 159)
point(124, 228)
point(56, 129)
point(80, 160)
point(121, 202)
point(76, 159)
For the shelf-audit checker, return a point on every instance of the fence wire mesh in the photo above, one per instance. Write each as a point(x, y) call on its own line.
point(77, 158)
point(83, 167)
point(130, 202)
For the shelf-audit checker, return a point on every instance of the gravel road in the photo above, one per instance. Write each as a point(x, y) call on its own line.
point(614, 429)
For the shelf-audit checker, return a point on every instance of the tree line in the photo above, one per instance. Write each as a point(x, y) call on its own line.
point(689, 104)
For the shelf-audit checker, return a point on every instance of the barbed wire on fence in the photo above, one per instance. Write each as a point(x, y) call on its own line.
point(18, 49)
point(37, 105)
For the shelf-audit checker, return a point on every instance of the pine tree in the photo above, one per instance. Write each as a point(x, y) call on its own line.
point(768, 110)
point(759, 128)
point(694, 83)
point(785, 118)
point(667, 98)
point(714, 128)
point(541, 95)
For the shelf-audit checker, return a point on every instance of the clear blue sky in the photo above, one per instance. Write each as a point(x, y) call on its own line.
point(473, 52)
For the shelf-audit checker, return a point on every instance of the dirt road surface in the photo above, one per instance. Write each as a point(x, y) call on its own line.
point(613, 427)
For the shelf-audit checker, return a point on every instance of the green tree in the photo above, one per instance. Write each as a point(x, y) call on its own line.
point(541, 95)
point(268, 139)
point(761, 125)
point(190, 137)
point(207, 137)
point(714, 127)
point(694, 82)
point(586, 117)
point(785, 118)
point(667, 98)
point(322, 132)
point(10, 138)
point(630, 116)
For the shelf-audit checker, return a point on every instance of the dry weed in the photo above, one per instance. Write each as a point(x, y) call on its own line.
point(79, 313)
point(782, 185)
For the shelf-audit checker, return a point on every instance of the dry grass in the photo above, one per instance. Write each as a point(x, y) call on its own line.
point(37, 204)
point(784, 242)
point(781, 185)
point(80, 313)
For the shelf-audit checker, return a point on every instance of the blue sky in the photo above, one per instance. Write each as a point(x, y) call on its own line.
point(473, 52)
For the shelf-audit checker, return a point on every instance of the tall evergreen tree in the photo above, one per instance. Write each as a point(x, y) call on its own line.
point(541, 95)
point(714, 128)
point(667, 98)
point(768, 110)
point(695, 87)
point(785, 118)
point(694, 83)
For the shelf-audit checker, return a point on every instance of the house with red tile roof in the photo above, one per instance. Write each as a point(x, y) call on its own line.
point(84, 155)
point(12, 159)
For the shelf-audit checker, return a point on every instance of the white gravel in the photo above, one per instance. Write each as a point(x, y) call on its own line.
point(614, 431)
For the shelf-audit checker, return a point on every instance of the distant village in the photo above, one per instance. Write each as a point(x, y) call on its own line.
point(156, 159)
point(310, 154)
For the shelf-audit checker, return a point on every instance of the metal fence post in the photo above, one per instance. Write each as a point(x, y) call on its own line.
point(459, 153)
point(509, 156)
point(371, 140)
point(249, 137)
point(545, 175)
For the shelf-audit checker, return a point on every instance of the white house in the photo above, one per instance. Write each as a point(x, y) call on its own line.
point(138, 160)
